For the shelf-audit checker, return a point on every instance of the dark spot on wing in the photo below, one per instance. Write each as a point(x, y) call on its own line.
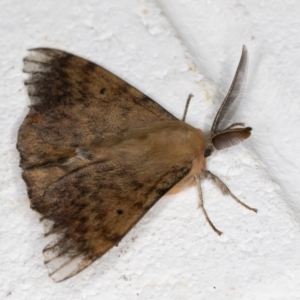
point(137, 185)
point(103, 91)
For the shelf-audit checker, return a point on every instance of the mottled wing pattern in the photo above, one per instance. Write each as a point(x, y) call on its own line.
point(75, 100)
point(106, 200)
point(77, 107)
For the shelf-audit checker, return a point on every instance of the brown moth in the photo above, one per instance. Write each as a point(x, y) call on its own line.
point(97, 154)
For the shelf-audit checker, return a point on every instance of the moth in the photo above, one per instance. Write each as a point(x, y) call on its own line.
point(97, 154)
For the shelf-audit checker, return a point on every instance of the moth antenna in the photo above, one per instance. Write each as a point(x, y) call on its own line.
point(234, 95)
point(187, 106)
point(234, 125)
point(224, 189)
point(201, 205)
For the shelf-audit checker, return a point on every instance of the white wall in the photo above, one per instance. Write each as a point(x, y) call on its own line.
point(169, 49)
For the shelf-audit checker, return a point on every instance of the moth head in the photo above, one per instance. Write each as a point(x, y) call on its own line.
point(209, 146)
point(220, 138)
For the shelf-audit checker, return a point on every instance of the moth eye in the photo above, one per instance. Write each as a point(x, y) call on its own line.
point(102, 91)
point(207, 152)
point(120, 212)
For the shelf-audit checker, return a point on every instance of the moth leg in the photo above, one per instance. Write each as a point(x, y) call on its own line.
point(201, 205)
point(224, 189)
point(235, 125)
point(187, 106)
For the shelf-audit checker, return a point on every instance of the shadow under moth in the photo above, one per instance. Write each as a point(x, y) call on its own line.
point(97, 154)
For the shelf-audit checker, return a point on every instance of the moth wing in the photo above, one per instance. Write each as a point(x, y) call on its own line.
point(77, 105)
point(74, 101)
point(104, 203)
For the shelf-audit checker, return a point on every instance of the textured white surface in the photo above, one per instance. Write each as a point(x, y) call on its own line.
point(169, 49)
